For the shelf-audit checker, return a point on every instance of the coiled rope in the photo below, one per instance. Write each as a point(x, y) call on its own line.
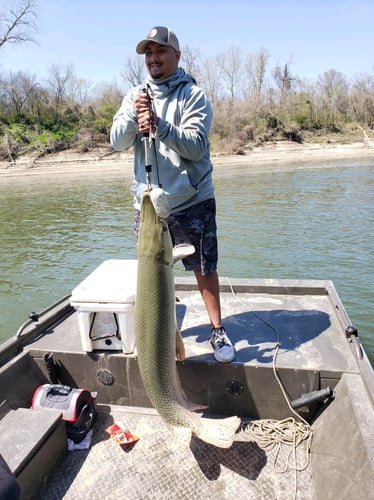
point(277, 434)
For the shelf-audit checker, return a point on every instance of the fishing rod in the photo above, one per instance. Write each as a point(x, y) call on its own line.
point(158, 197)
point(149, 140)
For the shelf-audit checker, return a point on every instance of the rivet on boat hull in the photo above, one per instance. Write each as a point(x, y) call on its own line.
point(105, 377)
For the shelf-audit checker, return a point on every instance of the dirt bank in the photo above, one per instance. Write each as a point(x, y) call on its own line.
point(104, 160)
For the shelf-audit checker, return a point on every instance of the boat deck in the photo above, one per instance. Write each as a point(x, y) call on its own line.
point(305, 320)
point(308, 321)
point(153, 468)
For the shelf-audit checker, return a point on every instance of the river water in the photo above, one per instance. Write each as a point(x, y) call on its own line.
point(313, 220)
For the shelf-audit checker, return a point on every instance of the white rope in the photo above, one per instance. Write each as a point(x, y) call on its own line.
point(278, 434)
point(269, 434)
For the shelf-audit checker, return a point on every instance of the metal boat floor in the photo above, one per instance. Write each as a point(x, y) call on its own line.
point(154, 468)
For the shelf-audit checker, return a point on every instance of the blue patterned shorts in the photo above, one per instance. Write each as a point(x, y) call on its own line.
point(196, 226)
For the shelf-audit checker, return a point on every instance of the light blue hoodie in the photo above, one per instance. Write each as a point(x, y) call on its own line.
point(182, 144)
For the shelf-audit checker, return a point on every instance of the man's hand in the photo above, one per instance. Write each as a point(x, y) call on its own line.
point(146, 117)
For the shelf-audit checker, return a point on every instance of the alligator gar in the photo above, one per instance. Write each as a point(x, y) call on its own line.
point(156, 336)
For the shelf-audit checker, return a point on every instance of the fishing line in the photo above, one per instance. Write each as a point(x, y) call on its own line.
point(156, 162)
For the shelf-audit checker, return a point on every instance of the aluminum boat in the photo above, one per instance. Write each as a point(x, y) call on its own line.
point(298, 359)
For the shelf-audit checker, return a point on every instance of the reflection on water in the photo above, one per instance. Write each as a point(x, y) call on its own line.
point(311, 222)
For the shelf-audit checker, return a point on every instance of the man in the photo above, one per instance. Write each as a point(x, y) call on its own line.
point(178, 116)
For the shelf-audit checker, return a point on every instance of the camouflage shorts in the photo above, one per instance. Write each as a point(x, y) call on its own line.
point(196, 226)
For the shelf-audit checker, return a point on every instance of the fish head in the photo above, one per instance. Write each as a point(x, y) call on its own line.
point(154, 236)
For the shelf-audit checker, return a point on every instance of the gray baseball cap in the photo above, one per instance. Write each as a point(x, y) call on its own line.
point(161, 35)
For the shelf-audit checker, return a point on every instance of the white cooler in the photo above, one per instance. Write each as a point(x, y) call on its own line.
point(105, 304)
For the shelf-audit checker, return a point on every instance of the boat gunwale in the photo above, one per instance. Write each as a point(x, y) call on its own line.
point(62, 308)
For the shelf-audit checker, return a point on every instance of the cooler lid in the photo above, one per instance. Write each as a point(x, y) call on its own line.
point(114, 281)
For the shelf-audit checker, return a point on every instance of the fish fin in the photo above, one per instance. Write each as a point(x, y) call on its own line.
point(180, 352)
point(182, 435)
point(182, 251)
point(194, 406)
point(218, 432)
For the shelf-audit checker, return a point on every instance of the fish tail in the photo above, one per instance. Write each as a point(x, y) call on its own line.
point(218, 432)
point(182, 436)
point(180, 353)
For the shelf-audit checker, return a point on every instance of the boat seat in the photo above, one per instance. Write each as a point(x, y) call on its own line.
point(33, 443)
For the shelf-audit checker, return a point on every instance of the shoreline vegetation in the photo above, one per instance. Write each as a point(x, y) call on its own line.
point(101, 160)
point(261, 114)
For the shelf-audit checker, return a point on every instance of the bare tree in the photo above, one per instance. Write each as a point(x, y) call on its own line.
point(255, 68)
point(78, 90)
point(362, 99)
point(134, 71)
point(231, 66)
point(211, 79)
point(332, 83)
point(19, 91)
point(190, 59)
point(59, 80)
point(334, 95)
point(108, 96)
point(18, 23)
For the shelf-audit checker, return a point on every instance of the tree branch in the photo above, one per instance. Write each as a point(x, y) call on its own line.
point(17, 25)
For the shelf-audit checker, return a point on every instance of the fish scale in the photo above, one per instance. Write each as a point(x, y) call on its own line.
point(156, 335)
point(155, 326)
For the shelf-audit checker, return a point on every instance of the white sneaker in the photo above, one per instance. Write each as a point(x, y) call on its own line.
point(223, 349)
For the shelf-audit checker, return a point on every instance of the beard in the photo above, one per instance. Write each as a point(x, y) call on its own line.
point(156, 72)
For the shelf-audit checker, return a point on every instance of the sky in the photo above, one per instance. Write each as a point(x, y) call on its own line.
point(97, 36)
